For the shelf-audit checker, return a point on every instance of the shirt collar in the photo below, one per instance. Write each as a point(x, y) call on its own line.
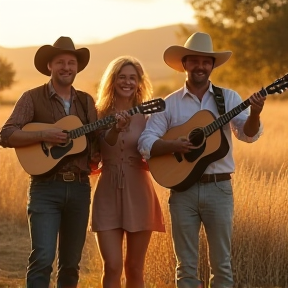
point(52, 91)
point(187, 92)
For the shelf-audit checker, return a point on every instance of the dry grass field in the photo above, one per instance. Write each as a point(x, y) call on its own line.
point(260, 242)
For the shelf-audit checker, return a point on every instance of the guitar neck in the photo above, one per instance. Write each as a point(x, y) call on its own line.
point(224, 119)
point(78, 132)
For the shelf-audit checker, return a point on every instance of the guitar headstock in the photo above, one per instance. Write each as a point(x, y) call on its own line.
point(278, 86)
point(152, 106)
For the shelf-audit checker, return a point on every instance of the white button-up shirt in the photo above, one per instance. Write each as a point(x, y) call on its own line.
point(181, 105)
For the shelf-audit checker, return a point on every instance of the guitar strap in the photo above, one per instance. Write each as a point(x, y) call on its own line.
point(219, 99)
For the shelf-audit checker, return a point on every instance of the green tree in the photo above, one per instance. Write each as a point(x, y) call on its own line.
point(7, 74)
point(254, 30)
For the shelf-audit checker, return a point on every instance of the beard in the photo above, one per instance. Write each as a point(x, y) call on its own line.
point(64, 81)
point(197, 79)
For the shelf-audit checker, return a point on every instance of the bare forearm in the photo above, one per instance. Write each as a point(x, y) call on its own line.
point(24, 138)
point(251, 127)
point(111, 136)
point(162, 147)
point(123, 121)
point(252, 124)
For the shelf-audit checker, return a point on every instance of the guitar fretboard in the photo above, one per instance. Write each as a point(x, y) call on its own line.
point(108, 120)
point(224, 119)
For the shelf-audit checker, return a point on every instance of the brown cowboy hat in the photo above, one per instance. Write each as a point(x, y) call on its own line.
point(62, 45)
point(197, 44)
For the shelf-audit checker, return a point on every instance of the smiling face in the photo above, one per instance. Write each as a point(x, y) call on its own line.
point(127, 82)
point(198, 69)
point(63, 69)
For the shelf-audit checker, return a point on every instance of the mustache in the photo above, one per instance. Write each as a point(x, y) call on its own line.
point(199, 71)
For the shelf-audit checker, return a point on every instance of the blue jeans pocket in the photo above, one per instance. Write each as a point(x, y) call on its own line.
point(225, 187)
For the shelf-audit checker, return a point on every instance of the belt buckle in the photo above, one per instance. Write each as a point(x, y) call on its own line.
point(68, 176)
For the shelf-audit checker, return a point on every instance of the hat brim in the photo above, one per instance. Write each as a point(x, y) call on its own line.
point(173, 56)
point(47, 52)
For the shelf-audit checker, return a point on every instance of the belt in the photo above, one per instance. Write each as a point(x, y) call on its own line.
point(63, 176)
point(208, 178)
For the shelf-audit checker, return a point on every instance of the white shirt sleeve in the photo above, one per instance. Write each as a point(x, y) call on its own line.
point(156, 127)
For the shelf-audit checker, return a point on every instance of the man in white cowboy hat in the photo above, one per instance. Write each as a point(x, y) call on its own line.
point(58, 200)
point(208, 199)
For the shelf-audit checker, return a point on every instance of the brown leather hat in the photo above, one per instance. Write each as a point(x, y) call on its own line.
point(63, 45)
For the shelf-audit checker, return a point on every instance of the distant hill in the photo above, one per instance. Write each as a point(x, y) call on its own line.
point(147, 45)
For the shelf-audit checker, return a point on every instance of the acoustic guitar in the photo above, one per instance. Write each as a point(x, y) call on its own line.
point(180, 171)
point(40, 158)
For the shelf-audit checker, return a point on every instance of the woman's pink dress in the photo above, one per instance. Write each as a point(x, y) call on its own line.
point(125, 197)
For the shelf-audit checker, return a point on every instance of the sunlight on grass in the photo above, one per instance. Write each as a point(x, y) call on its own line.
point(260, 240)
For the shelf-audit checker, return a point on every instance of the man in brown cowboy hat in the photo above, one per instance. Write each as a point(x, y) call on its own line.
point(59, 198)
point(204, 195)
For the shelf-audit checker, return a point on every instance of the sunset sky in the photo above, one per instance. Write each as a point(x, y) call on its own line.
point(36, 22)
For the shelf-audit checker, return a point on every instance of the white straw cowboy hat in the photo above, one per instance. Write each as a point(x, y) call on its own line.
point(62, 45)
point(197, 44)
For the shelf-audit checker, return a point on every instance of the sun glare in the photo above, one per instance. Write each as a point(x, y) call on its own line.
point(37, 22)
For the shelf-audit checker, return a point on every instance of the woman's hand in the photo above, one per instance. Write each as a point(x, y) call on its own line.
point(123, 121)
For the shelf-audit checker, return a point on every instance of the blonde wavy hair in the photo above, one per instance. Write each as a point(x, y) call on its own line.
point(106, 89)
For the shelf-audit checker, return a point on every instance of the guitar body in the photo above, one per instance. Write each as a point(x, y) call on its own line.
point(180, 173)
point(41, 157)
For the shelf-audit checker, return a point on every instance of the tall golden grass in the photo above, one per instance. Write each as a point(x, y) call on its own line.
point(260, 239)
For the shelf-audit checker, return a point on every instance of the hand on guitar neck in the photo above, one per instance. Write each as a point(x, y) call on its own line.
point(123, 122)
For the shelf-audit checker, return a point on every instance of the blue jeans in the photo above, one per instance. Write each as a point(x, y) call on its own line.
point(212, 205)
point(57, 211)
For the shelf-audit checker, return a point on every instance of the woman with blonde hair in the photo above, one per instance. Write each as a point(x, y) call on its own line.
point(125, 203)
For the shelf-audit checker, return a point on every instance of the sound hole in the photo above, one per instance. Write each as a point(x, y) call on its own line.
point(197, 137)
